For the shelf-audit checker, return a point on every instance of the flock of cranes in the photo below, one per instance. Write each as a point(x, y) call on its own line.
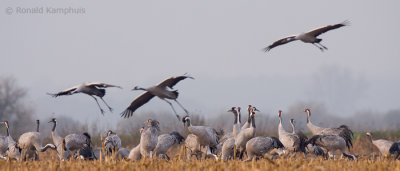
point(202, 140)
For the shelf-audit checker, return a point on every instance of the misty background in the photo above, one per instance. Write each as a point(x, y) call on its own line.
point(140, 43)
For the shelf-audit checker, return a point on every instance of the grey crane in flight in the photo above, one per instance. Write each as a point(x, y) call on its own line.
point(308, 37)
point(160, 90)
point(91, 89)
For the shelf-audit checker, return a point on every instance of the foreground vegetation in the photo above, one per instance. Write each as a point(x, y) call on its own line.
point(209, 164)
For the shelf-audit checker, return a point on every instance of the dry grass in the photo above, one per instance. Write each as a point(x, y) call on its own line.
point(280, 164)
point(368, 160)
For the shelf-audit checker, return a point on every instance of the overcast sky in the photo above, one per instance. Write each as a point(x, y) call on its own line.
point(220, 43)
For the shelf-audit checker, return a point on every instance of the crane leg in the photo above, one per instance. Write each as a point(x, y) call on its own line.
point(101, 110)
point(323, 46)
point(106, 104)
point(177, 116)
point(187, 113)
point(320, 48)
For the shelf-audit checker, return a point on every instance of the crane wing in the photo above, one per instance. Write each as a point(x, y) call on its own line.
point(64, 92)
point(139, 101)
point(172, 81)
point(280, 42)
point(316, 32)
point(102, 85)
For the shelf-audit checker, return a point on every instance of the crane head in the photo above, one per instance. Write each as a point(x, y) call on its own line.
point(308, 111)
point(368, 133)
point(141, 130)
point(109, 132)
point(5, 123)
point(279, 113)
point(232, 109)
point(292, 121)
point(53, 120)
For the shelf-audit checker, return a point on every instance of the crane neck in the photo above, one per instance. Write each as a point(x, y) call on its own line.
point(293, 128)
point(249, 118)
point(54, 126)
point(370, 138)
point(253, 122)
point(238, 117)
point(308, 116)
point(280, 120)
point(37, 126)
point(8, 133)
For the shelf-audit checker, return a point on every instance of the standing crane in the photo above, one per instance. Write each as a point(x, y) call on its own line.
point(62, 152)
point(331, 143)
point(149, 138)
point(31, 141)
point(308, 37)
point(207, 136)
point(382, 145)
point(342, 131)
point(91, 89)
point(245, 135)
point(160, 90)
point(291, 141)
point(13, 151)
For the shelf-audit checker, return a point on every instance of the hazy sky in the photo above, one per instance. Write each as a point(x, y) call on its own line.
point(220, 43)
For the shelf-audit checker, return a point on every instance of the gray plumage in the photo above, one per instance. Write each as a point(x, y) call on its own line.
point(160, 90)
point(149, 138)
point(331, 143)
point(192, 145)
point(342, 131)
point(308, 37)
point(13, 151)
point(97, 152)
point(259, 146)
point(247, 124)
point(382, 145)
point(207, 136)
point(31, 141)
point(62, 152)
point(122, 153)
point(228, 149)
point(74, 142)
point(134, 154)
point(112, 142)
point(32, 154)
point(236, 122)
point(91, 89)
point(3, 146)
point(165, 142)
point(308, 148)
point(292, 141)
point(245, 135)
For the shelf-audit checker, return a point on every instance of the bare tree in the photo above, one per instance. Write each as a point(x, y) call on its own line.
point(13, 107)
